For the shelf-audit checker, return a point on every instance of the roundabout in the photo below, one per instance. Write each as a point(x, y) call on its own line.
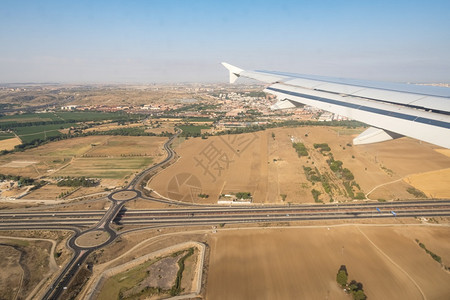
point(92, 238)
point(124, 195)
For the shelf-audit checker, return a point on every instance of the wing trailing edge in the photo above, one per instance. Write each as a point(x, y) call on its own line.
point(392, 109)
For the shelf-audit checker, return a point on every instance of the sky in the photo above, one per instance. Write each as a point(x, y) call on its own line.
point(184, 41)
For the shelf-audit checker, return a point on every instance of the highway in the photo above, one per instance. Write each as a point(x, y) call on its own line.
point(190, 214)
point(214, 214)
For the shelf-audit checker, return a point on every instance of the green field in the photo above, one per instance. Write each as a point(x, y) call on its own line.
point(67, 116)
point(93, 116)
point(29, 133)
point(25, 118)
point(5, 135)
point(105, 167)
point(34, 126)
point(192, 129)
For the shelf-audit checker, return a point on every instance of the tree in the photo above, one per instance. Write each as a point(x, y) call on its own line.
point(342, 276)
point(359, 295)
point(347, 174)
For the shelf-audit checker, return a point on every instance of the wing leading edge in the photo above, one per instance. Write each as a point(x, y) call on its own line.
point(420, 112)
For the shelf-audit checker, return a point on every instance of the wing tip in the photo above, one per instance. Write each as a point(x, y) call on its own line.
point(234, 71)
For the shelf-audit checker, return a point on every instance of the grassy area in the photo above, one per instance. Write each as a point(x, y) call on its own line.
point(68, 116)
point(5, 136)
point(192, 129)
point(30, 133)
point(124, 280)
point(176, 288)
point(34, 126)
point(93, 116)
point(131, 283)
point(25, 118)
point(74, 150)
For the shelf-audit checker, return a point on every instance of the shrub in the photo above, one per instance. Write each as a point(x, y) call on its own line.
point(323, 147)
point(300, 148)
point(359, 295)
point(316, 195)
point(243, 195)
point(360, 196)
point(416, 193)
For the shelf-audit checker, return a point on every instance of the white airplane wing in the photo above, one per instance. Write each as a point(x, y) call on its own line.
point(393, 109)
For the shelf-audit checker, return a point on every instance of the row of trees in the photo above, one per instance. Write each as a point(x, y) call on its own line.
point(122, 119)
point(289, 123)
point(78, 181)
point(243, 195)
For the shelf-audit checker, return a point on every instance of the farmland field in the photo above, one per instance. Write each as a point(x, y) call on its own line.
point(267, 166)
point(8, 144)
point(95, 156)
point(192, 129)
point(25, 118)
point(65, 116)
point(39, 126)
point(6, 135)
point(29, 133)
point(302, 263)
point(115, 168)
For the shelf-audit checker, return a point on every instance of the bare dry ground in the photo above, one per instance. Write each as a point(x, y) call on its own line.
point(10, 281)
point(92, 238)
point(268, 166)
point(302, 263)
point(60, 236)
point(28, 262)
point(433, 184)
point(47, 192)
point(9, 144)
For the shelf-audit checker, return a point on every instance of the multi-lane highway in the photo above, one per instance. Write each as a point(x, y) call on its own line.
point(82, 223)
point(214, 214)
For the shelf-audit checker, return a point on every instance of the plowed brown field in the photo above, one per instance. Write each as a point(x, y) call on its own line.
point(268, 167)
point(301, 263)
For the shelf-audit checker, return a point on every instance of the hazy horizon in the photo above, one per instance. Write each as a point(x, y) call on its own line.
point(145, 42)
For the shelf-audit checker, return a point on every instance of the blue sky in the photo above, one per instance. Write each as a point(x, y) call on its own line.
point(185, 41)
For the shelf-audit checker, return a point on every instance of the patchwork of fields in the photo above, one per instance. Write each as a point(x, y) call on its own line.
point(107, 157)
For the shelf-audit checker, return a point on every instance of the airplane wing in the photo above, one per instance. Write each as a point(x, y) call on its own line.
point(393, 109)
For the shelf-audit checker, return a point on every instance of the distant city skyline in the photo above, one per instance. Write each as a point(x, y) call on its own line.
point(185, 41)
